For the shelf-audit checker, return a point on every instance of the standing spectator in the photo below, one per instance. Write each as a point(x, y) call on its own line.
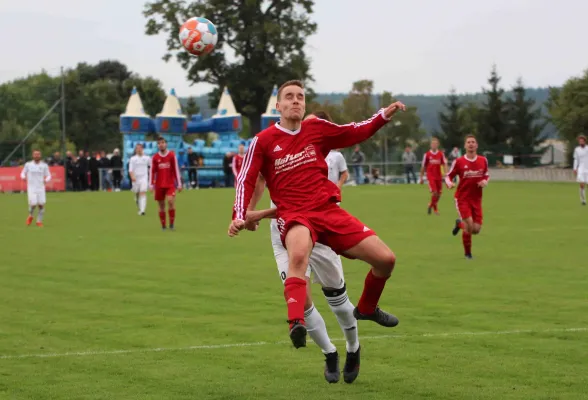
point(82, 164)
point(69, 171)
point(192, 168)
point(409, 160)
point(228, 170)
point(104, 166)
point(93, 166)
point(357, 159)
point(116, 164)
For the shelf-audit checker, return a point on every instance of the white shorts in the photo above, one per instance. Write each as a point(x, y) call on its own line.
point(324, 263)
point(582, 177)
point(36, 197)
point(141, 185)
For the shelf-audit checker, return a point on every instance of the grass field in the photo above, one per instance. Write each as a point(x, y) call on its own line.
point(100, 304)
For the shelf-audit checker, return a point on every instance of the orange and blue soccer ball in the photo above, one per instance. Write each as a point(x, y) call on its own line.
point(198, 36)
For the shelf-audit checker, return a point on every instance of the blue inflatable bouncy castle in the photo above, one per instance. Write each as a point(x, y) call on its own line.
point(271, 115)
point(173, 125)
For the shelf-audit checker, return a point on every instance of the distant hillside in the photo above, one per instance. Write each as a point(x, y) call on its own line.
point(428, 106)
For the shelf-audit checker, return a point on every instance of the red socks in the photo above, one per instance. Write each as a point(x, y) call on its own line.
point(295, 295)
point(372, 291)
point(162, 218)
point(467, 242)
point(172, 216)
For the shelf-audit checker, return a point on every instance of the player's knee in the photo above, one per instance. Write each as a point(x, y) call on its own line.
point(386, 262)
point(297, 259)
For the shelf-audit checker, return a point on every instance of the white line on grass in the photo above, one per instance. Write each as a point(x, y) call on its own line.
point(253, 344)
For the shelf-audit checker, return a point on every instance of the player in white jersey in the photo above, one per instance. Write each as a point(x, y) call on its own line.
point(36, 173)
point(581, 166)
point(337, 168)
point(139, 165)
point(327, 269)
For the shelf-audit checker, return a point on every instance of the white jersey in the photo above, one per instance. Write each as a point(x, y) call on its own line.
point(337, 165)
point(139, 165)
point(581, 159)
point(36, 174)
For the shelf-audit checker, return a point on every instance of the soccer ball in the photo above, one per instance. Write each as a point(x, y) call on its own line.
point(198, 36)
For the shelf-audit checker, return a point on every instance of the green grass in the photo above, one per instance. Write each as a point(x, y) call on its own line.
point(98, 278)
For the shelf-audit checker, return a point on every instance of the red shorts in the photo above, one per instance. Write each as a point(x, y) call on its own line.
point(330, 225)
point(467, 208)
point(436, 185)
point(162, 193)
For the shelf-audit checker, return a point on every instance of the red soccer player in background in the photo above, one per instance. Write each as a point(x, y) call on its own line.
point(237, 163)
point(472, 170)
point(164, 179)
point(433, 161)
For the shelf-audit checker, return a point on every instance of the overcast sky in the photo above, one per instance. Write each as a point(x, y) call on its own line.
point(410, 47)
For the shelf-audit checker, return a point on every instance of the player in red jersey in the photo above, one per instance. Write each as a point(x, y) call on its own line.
point(291, 157)
point(472, 170)
point(238, 161)
point(433, 161)
point(164, 179)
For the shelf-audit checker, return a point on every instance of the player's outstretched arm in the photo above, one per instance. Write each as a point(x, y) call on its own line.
point(341, 136)
point(245, 187)
point(23, 174)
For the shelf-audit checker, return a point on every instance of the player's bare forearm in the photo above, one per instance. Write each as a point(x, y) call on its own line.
point(132, 174)
point(343, 179)
point(257, 193)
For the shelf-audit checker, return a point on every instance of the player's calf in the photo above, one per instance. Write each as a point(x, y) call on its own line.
point(376, 253)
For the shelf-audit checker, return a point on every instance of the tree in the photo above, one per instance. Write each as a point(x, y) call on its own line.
point(568, 108)
point(453, 128)
point(192, 107)
point(493, 126)
point(261, 43)
point(525, 124)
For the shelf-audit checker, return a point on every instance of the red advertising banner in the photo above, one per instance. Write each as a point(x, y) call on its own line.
point(10, 180)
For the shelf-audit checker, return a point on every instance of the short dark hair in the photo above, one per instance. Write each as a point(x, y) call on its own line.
point(161, 139)
point(322, 115)
point(292, 82)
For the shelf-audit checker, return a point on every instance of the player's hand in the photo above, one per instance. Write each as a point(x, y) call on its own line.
point(179, 189)
point(483, 183)
point(450, 185)
point(151, 188)
point(235, 227)
point(252, 220)
point(575, 172)
point(393, 108)
point(421, 181)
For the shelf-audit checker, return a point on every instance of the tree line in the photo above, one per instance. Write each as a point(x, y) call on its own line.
point(261, 44)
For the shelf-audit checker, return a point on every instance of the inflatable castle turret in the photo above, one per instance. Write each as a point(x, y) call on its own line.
point(227, 121)
point(171, 123)
point(271, 115)
point(134, 125)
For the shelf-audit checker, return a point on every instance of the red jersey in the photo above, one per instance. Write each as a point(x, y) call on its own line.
point(293, 163)
point(165, 172)
point(470, 173)
point(433, 161)
point(237, 164)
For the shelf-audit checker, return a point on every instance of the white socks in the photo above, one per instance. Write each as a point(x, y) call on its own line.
point(583, 195)
point(142, 203)
point(317, 330)
point(343, 310)
point(40, 214)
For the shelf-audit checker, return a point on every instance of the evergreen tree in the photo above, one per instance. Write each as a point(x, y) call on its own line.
point(525, 124)
point(192, 108)
point(452, 124)
point(492, 126)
